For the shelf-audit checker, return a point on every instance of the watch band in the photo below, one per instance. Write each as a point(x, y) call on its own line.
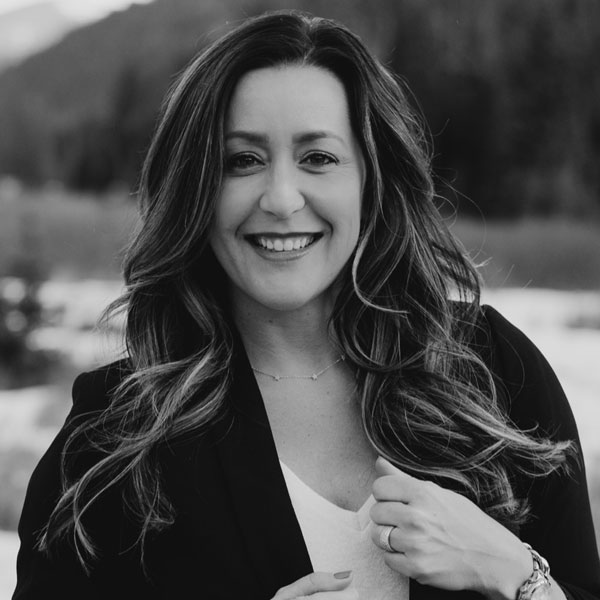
point(539, 578)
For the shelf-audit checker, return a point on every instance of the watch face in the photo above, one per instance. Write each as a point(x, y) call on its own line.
point(541, 592)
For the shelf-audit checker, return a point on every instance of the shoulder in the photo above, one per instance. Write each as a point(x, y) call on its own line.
point(93, 389)
point(508, 346)
point(91, 395)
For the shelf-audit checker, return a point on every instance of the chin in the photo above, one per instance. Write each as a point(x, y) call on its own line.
point(291, 300)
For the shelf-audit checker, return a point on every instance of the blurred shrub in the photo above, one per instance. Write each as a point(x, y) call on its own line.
point(20, 314)
point(590, 321)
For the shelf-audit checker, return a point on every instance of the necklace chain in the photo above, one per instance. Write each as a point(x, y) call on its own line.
point(313, 376)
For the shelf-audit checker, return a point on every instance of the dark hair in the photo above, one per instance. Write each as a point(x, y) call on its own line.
point(429, 404)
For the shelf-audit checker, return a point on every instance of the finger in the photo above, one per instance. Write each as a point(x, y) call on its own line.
point(393, 488)
point(314, 583)
point(394, 513)
point(404, 564)
point(385, 467)
point(394, 484)
point(400, 540)
point(347, 594)
point(380, 534)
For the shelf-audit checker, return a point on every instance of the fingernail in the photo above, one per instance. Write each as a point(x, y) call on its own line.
point(342, 574)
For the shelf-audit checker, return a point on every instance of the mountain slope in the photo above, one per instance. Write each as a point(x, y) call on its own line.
point(62, 106)
point(28, 30)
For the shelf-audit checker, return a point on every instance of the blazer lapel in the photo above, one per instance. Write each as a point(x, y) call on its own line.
point(252, 472)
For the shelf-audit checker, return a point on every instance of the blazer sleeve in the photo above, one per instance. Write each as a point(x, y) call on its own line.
point(59, 575)
point(561, 527)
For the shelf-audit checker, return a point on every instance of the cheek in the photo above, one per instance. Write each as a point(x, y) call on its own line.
point(229, 215)
point(342, 202)
point(353, 216)
point(237, 201)
point(222, 235)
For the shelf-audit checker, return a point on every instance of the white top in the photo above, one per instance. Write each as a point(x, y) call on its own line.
point(340, 540)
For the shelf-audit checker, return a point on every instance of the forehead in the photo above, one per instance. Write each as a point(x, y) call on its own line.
point(293, 96)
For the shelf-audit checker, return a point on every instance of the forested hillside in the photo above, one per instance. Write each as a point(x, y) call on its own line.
point(510, 90)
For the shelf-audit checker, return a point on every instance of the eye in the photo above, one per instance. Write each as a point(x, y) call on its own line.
point(319, 159)
point(244, 161)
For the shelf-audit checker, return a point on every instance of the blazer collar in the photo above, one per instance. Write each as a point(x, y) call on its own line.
point(252, 471)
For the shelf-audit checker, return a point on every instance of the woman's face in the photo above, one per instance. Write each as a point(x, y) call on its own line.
point(288, 216)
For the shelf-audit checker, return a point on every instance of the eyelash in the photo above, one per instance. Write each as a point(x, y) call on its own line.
point(330, 159)
point(241, 161)
point(233, 162)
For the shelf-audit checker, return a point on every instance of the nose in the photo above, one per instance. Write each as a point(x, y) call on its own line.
point(281, 196)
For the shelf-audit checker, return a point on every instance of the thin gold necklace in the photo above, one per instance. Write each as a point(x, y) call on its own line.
point(313, 376)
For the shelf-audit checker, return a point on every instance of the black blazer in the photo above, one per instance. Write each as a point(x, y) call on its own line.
point(236, 534)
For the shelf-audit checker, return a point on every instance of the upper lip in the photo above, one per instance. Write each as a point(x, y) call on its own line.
point(275, 235)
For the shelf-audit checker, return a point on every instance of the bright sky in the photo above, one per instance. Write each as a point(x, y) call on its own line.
point(81, 10)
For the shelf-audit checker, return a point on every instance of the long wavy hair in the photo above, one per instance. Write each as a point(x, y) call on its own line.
point(429, 404)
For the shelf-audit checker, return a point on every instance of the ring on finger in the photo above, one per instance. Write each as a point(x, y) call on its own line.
point(384, 537)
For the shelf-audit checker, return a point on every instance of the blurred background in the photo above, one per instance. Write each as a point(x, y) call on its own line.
point(510, 91)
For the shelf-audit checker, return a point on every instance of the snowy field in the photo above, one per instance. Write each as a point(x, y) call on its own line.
point(564, 325)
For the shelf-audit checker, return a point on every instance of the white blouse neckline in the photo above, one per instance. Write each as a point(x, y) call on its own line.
point(358, 520)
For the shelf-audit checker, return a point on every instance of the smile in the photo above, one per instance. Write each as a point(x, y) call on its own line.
point(283, 243)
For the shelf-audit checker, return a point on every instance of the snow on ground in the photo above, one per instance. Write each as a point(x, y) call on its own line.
point(9, 545)
point(19, 411)
point(545, 316)
point(73, 309)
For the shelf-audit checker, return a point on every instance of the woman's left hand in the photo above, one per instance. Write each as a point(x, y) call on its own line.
point(442, 539)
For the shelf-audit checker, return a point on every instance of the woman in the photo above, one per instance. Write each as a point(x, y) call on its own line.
point(300, 394)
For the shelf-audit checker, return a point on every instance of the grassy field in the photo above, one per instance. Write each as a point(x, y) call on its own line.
point(65, 236)
point(546, 253)
point(75, 236)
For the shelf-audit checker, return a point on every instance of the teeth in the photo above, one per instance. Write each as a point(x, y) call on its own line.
point(284, 244)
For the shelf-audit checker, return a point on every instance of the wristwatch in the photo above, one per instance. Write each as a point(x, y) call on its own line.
point(537, 587)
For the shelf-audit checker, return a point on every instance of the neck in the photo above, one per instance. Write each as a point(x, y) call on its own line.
point(286, 342)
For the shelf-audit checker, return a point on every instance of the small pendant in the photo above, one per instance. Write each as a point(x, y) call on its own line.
point(314, 376)
point(276, 377)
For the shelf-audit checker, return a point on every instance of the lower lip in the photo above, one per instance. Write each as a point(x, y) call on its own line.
point(283, 256)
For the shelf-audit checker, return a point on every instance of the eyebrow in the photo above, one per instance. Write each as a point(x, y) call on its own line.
point(249, 136)
point(300, 138)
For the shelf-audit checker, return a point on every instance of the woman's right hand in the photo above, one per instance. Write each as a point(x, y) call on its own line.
point(319, 586)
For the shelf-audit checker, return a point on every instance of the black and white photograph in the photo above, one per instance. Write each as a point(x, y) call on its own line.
point(299, 299)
